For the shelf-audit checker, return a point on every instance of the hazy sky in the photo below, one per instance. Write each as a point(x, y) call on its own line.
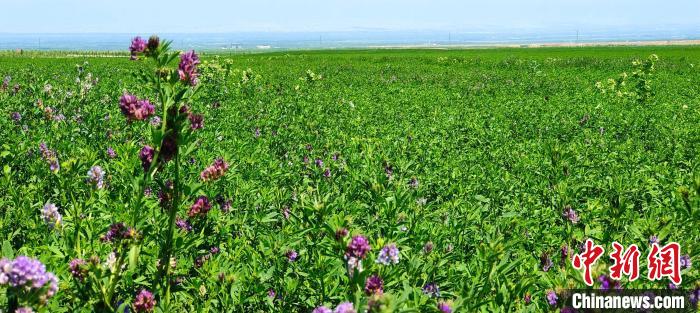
point(156, 16)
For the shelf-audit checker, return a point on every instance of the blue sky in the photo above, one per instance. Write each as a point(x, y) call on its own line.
point(155, 16)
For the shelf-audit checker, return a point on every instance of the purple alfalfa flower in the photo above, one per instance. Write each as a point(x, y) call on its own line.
point(146, 155)
point(546, 262)
point(214, 171)
point(214, 250)
point(413, 183)
point(564, 255)
point(196, 121)
point(50, 157)
point(567, 309)
point(153, 44)
point(78, 268)
point(607, 283)
point(358, 247)
point(155, 121)
point(552, 297)
point(286, 212)
point(653, 239)
point(327, 173)
point(570, 214)
point(308, 147)
point(291, 255)
point(148, 192)
point(428, 247)
point(389, 254)
point(28, 275)
point(15, 89)
point(271, 293)
point(138, 45)
point(6, 82)
point(319, 163)
point(694, 296)
point(225, 206)
point(144, 301)
point(444, 307)
point(527, 298)
point(200, 260)
point(389, 171)
point(51, 215)
point(111, 153)
point(672, 286)
point(335, 156)
point(322, 309)
point(96, 177)
point(256, 132)
point(200, 207)
point(16, 116)
point(183, 225)
point(118, 231)
point(188, 68)
point(431, 289)
point(135, 109)
point(685, 262)
point(345, 307)
point(374, 285)
point(59, 117)
point(305, 159)
point(24, 309)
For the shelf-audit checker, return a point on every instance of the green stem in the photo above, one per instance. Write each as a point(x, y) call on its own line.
point(165, 260)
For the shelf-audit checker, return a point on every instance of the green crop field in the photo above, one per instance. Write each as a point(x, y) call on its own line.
point(485, 170)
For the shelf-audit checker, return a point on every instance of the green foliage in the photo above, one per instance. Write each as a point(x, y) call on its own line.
point(499, 143)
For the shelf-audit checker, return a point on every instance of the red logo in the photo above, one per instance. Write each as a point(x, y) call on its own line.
point(624, 262)
point(665, 262)
point(588, 258)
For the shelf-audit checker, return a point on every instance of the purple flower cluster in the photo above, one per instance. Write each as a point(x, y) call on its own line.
point(111, 153)
point(413, 183)
point(50, 157)
point(16, 116)
point(78, 268)
point(607, 283)
point(214, 171)
point(570, 214)
point(685, 262)
point(6, 82)
point(345, 307)
point(196, 121)
point(96, 177)
point(444, 307)
point(135, 109)
point(552, 297)
point(118, 231)
point(146, 155)
point(358, 247)
point(144, 301)
point(431, 290)
point(138, 45)
point(322, 309)
point(374, 285)
point(292, 255)
point(200, 207)
point(183, 224)
point(25, 309)
point(29, 275)
point(188, 68)
point(546, 262)
point(389, 254)
point(51, 216)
